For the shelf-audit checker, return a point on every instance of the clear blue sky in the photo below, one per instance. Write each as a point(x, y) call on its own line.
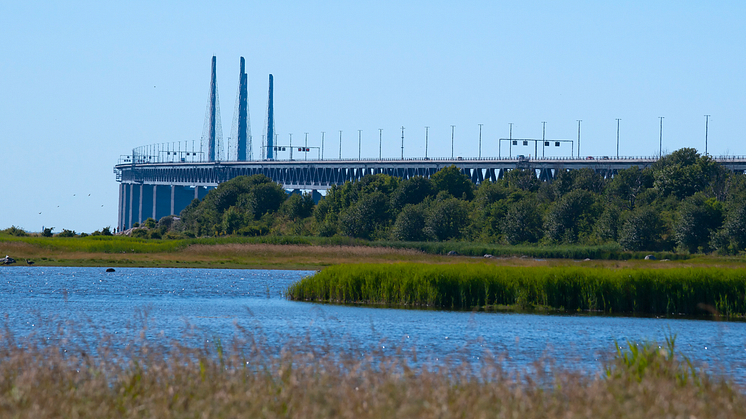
point(83, 82)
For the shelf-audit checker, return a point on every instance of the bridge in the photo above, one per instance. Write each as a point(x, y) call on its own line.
point(162, 179)
point(156, 189)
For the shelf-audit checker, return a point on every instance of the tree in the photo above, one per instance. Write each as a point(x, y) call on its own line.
point(232, 220)
point(628, 184)
point(684, 173)
point(149, 223)
point(451, 180)
point(47, 232)
point(446, 218)
point(410, 224)
point(412, 191)
point(522, 222)
point(298, 206)
point(607, 225)
point(523, 179)
point(572, 214)
point(732, 236)
point(698, 218)
point(362, 219)
point(642, 230)
point(491, 192)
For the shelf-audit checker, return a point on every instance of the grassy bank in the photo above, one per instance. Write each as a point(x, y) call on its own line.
point(301, 252)
point(135, 379)
point(688, 291)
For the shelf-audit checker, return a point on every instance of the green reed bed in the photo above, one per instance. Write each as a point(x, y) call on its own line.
point(688, 291)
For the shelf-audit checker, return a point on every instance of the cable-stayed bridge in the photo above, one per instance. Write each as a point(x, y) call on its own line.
point(162, 179)
point(160, 189)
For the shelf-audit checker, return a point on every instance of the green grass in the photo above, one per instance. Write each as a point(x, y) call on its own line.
point(687, 291)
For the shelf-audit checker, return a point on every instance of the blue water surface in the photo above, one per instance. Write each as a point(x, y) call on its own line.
point(192, 305)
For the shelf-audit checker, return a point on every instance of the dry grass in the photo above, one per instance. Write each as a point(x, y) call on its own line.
point(294, 256)
point(139, 379)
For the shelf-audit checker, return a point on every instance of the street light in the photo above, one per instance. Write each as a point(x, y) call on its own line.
point(480, 140)
point(453, 128)
point(380, 142)
point(543, 137)
point(426, 137)
point(707, 129)
point(510, 142)
point(402, 142)
point(617, 137)
point(660, 140)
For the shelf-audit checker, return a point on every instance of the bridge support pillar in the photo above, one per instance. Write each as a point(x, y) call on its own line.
point(182, 196)
point(122, 202)
point(147, 193)
point(161, 201)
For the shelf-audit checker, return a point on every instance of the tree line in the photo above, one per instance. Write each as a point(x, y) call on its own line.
point(684, 202)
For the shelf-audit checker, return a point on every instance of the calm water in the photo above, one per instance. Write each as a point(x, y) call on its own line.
point(212, 302)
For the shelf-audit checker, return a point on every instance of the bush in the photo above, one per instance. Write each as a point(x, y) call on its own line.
point(140, 233)
point(66, 233)
point(15, 231)
point(47, 232)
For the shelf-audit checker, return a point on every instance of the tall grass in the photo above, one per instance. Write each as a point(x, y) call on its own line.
point(651, 291)
point(135, 378)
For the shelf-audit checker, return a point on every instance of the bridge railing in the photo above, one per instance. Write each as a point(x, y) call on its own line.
point(159, 156)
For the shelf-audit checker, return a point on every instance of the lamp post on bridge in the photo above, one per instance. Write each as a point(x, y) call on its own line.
point(340, 144)
point(660, 139)
point(359, 143)
point(510, 142)
point(543, 137)
point(322, 145)
point(617, 137)
point(707, 129)
point(402, 142)
point(427, 129)
point(305, 149)
point(380, 142)
point(480, 140)
point(453, 129)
